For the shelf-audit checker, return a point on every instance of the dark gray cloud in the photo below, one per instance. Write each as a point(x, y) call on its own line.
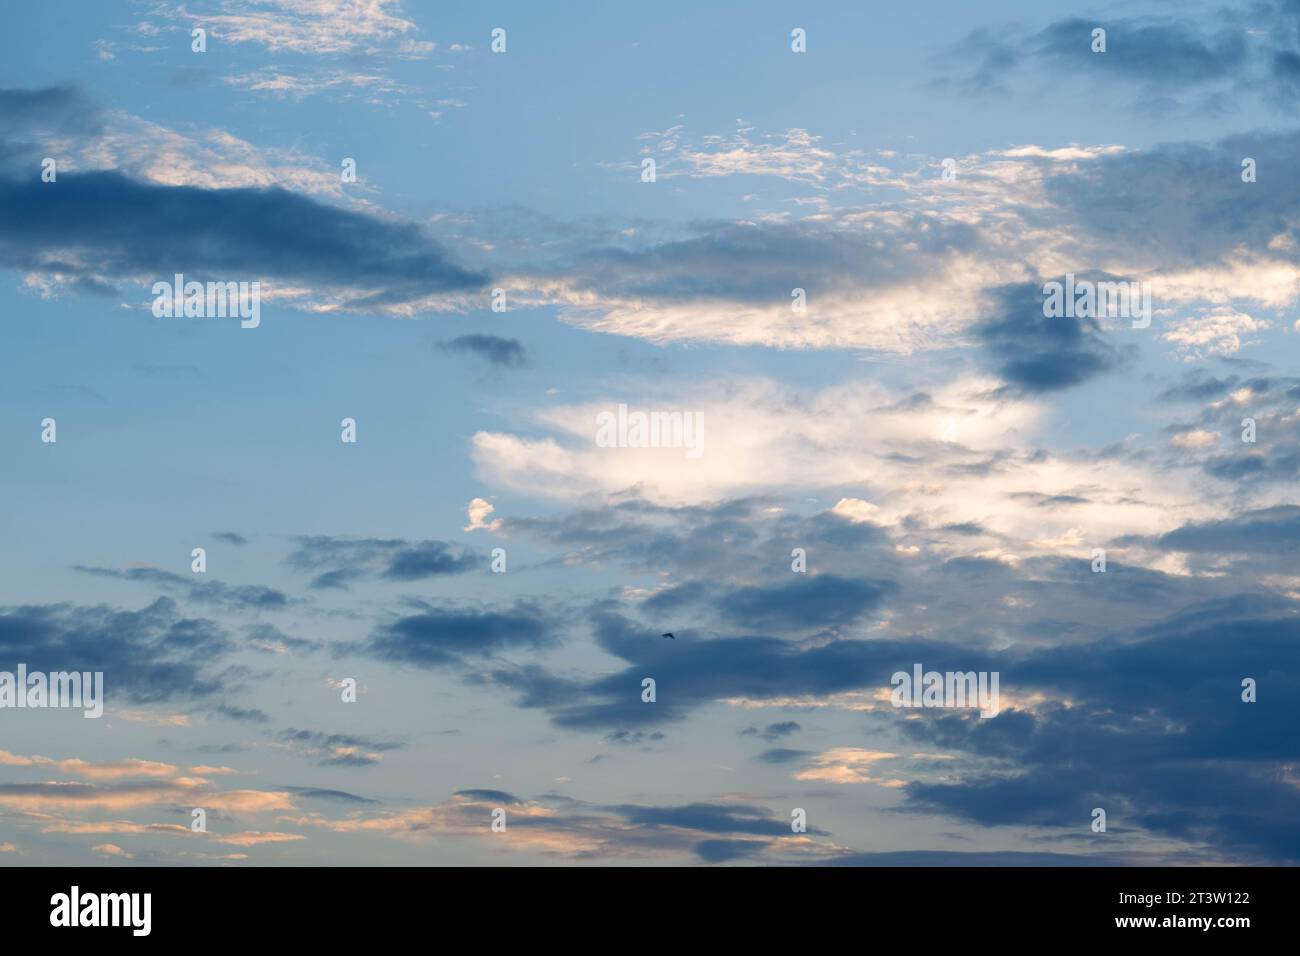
point(509, 353)
point(1267, 400)
point(811, 600)
point(1274, 464)
point(805, 601)
point(230, 537)
point(1267, 531)
point(725, 851)
point(1155, 729)
point(197, 588)
point(250, 715)
point(982, 858)
point(774, 731)
point(97, 229)
point(500, 796)
point(442, 636)
point(1202, 385)
point(428, 559)
point(693, 673)
point(153, 655)
point(1168, 62)
point(338, 562)
point(1194, 208)
point(1156, 733)
point(1036, 353)
point(30, 118)
point(783, 755)
point(714, 550)
point(106, 227)
point(1154, 51)
point(716, 832)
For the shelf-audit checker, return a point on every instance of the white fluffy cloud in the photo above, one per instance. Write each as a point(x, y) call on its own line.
point(958, 457)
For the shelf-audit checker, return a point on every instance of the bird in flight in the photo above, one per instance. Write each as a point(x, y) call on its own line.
point(669, 634)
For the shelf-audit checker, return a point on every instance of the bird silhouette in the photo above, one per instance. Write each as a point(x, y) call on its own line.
point(669, 634)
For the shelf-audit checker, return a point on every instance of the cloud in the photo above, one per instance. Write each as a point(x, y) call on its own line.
point(111, 826)
point(726, 851)
point(814, 601)
point(568, 829)
point(1155, 732)
point(152, 655)
point(693, 673)
point(250, 714)
point(1263, 470)
point(1178, 62)
point(255, 838)
point(844, 765)
point(45, 797)
point(337, 750)
point(982, 858)
point(808, 601)
point(340, 561)
point(508, 353)
point(1219, 330)
point(1272, 531)
point(1154, 51)
point(103, 227)
point(794, 155)
point(927, 264)
point(63, 123)
point(299, 87)
point(320, 793)
point(895, 281)
point(1193, 438)
point(146, 717)
point(1208, 230)
point(93, 770)
point(132, 205)
point(477, 511)
point(269, 639)
point(968, 453)
point(111, 850)
point(428, 559)
point(1035, 353)
point(633, 737)
point(306, 27)
point(441, 636)
point(781, 755)
point(773, 731)
point(42, 114)
point(242, 597)
point(1151, 714)
point(757, 435)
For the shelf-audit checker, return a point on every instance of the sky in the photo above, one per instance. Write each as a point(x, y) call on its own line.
point(433, 584)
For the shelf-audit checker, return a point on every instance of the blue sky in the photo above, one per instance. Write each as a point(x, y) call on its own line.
point(948, 456)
